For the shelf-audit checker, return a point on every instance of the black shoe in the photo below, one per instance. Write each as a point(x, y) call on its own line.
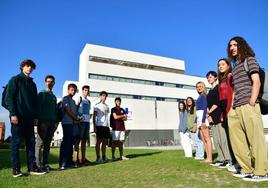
point(16, 173)
point(73, 165)
point(36, 171)
point(224, 164)
point(47, 168)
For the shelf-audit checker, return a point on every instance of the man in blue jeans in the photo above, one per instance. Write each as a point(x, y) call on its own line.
point(69, 120)
point(21, 100)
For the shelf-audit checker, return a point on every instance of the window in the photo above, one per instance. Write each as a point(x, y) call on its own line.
point(134, 64)
point(139, 81)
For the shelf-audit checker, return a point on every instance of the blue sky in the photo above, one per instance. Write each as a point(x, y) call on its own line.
point(53, 33)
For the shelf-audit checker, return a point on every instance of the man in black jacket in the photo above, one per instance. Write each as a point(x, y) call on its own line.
point(21, 101)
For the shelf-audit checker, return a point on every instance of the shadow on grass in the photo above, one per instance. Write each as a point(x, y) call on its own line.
point(142, 154)
point(5, 158)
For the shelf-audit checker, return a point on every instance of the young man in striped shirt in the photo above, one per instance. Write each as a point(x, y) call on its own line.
point(244, 118)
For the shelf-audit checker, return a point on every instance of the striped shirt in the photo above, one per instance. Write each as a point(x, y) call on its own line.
point(242, 82)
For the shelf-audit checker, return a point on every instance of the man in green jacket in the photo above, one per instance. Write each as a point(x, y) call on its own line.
point(47, 123)
point(21, 100)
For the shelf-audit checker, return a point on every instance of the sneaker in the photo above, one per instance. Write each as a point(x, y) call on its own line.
point(225, 164)
point(46, 168)
point(123, 158)
point(216, 163)
point(241, 174)
point(16, 173)
point(256, 178)
point(99, 161)
point(234, 168)
point(77, 162)
point(106, 160)
point(36, 171)
point(72, 165)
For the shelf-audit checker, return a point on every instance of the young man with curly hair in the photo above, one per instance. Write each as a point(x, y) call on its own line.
point(244, 118)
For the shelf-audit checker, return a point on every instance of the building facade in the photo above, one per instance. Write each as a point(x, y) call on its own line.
point(150, 87)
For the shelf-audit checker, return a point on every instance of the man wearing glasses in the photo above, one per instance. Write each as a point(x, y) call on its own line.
point(47, 116)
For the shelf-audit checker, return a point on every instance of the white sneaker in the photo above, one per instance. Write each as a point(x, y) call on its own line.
point(255, 178)
point(241, 175)
point(217, 163)
point(234, 168)
point(99, 161)
point(124, 158)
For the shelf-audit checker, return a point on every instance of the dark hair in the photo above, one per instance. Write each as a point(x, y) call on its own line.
point(184, 106)
point(27, 62)
point(50, 76)
point(117, 99)
point(223, 76)
point(243, 49)
point(72, 86)
point(85, 87)
point(103, 93)
point(213, 73)
point(191, 110)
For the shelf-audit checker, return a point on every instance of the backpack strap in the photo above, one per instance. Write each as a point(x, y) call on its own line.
point(80, 101)
point(246, 66)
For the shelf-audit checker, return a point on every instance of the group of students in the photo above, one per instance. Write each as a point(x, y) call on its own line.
point(231, 109)
point(35, 116)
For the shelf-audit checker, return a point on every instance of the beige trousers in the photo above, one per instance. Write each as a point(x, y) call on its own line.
point(247, 139)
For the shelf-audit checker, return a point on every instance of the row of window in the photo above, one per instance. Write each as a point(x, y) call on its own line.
point(140, 97)
point(134, 64)
point(138, 81)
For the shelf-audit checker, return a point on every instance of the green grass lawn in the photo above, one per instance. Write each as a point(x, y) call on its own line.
point(146, 168)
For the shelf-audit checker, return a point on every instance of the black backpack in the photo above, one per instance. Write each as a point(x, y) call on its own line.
point(59, 111)
point(112, 120)
point(4, 93)
point(263, 96)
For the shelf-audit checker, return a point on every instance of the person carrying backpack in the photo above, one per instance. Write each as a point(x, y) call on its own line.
point(81, 130)
point(21, 102)
point(244, 118)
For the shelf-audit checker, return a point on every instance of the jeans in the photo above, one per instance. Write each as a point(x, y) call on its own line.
point(186, 144)
point(23, 129)
point(66, 147)
point(198, 144)
point(43, 139)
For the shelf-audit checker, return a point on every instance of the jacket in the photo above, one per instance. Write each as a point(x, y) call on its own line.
point(21, 97)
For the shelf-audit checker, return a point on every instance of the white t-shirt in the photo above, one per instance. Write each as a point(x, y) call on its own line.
point(84, 108)
point(102, 114)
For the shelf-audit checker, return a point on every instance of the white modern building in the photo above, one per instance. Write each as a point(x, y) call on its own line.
point(150, 87)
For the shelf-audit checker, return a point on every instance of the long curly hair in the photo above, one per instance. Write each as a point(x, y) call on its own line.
point(244, 50)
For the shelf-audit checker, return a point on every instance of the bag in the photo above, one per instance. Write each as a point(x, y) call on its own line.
point(263, 95)
point(59, 111)
point(4, 93)
point(112, 121)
